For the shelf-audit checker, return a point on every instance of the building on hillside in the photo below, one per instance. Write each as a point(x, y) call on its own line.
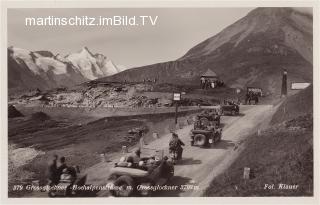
point(209, 79)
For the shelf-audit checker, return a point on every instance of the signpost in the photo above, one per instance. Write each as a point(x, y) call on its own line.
point(176, 99)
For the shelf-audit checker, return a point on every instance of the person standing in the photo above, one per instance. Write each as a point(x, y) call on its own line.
point(53, 171)
point(134, 157)
point(62, 166)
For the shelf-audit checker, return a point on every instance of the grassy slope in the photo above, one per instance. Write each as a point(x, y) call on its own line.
point(81, 145)
point(281, 154)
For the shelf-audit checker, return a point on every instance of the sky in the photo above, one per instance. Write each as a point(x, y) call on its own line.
point(176, 31)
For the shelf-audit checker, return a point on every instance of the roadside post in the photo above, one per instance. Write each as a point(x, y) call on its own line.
point(237, 94)
point(176, 99)
point(246, 173)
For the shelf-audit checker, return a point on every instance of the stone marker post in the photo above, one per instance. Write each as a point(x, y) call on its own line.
point(246, 173)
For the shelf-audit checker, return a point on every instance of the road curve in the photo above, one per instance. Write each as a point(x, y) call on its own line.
point(199, 166)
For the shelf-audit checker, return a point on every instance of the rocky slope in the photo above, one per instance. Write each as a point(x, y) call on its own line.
point(44, 70)
point(251, 52)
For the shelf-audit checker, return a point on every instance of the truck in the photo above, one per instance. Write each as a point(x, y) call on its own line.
point(253, 94)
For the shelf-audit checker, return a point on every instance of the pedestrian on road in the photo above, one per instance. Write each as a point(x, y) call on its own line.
point(53, 171)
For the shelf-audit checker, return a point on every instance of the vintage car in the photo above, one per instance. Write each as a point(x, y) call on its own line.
point(204, 138)
point(230, 108)
point(253, 94)
point(127, 179)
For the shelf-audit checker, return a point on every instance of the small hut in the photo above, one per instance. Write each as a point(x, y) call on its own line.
point(209, 79)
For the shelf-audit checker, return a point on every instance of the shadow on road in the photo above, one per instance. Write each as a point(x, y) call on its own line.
point(230, 115)
point(223, 144)
point(188, 161)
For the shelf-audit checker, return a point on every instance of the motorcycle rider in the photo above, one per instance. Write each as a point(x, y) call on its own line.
point(175, 145)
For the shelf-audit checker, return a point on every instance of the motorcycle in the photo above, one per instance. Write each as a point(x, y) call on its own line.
point(64, 187)
point(176, 155)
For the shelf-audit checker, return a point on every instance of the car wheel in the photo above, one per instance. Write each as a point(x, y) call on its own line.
point(233, 112)
point(124, 185)
point(219, 137)
point(200, 140)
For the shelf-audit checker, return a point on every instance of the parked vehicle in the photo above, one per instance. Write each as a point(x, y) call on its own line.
point(230, 108)
point(253, 94)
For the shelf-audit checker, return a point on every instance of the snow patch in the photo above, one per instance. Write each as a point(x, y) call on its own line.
point(25, 55)
point(55, 66)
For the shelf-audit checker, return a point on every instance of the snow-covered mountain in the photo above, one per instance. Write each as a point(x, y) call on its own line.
point(92, 66)
point(44, 70)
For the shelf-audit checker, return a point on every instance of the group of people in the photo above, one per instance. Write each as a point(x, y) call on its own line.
point(175, 145)
point(58, 171)
point(201, 125)
point(231, 102)
point(134, 159)
point(153, 165)
point(206, 83)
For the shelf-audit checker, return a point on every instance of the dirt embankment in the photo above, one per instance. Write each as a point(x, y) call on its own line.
point(278, 156)
point(294, 106)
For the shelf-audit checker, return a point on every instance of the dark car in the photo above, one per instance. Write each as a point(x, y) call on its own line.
point(204, 138)
point(230, 109)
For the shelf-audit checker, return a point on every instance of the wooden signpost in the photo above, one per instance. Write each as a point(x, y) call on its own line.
point(176, 99)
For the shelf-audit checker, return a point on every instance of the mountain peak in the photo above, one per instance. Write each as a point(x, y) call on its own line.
point(45, 53)
point(251, 51)
point(270, 11)
point(85, 49)
point(281, 11)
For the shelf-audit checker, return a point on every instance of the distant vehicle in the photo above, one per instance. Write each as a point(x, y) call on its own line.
point(230, 108)
point(128, 179)
point(205, 133)
point(253, 94)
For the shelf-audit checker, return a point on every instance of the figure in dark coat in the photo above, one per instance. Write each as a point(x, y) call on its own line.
point(53, 175)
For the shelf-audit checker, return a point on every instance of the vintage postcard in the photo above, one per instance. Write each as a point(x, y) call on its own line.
point(173, 101)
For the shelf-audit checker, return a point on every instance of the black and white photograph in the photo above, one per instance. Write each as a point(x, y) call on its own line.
point(112, 102)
